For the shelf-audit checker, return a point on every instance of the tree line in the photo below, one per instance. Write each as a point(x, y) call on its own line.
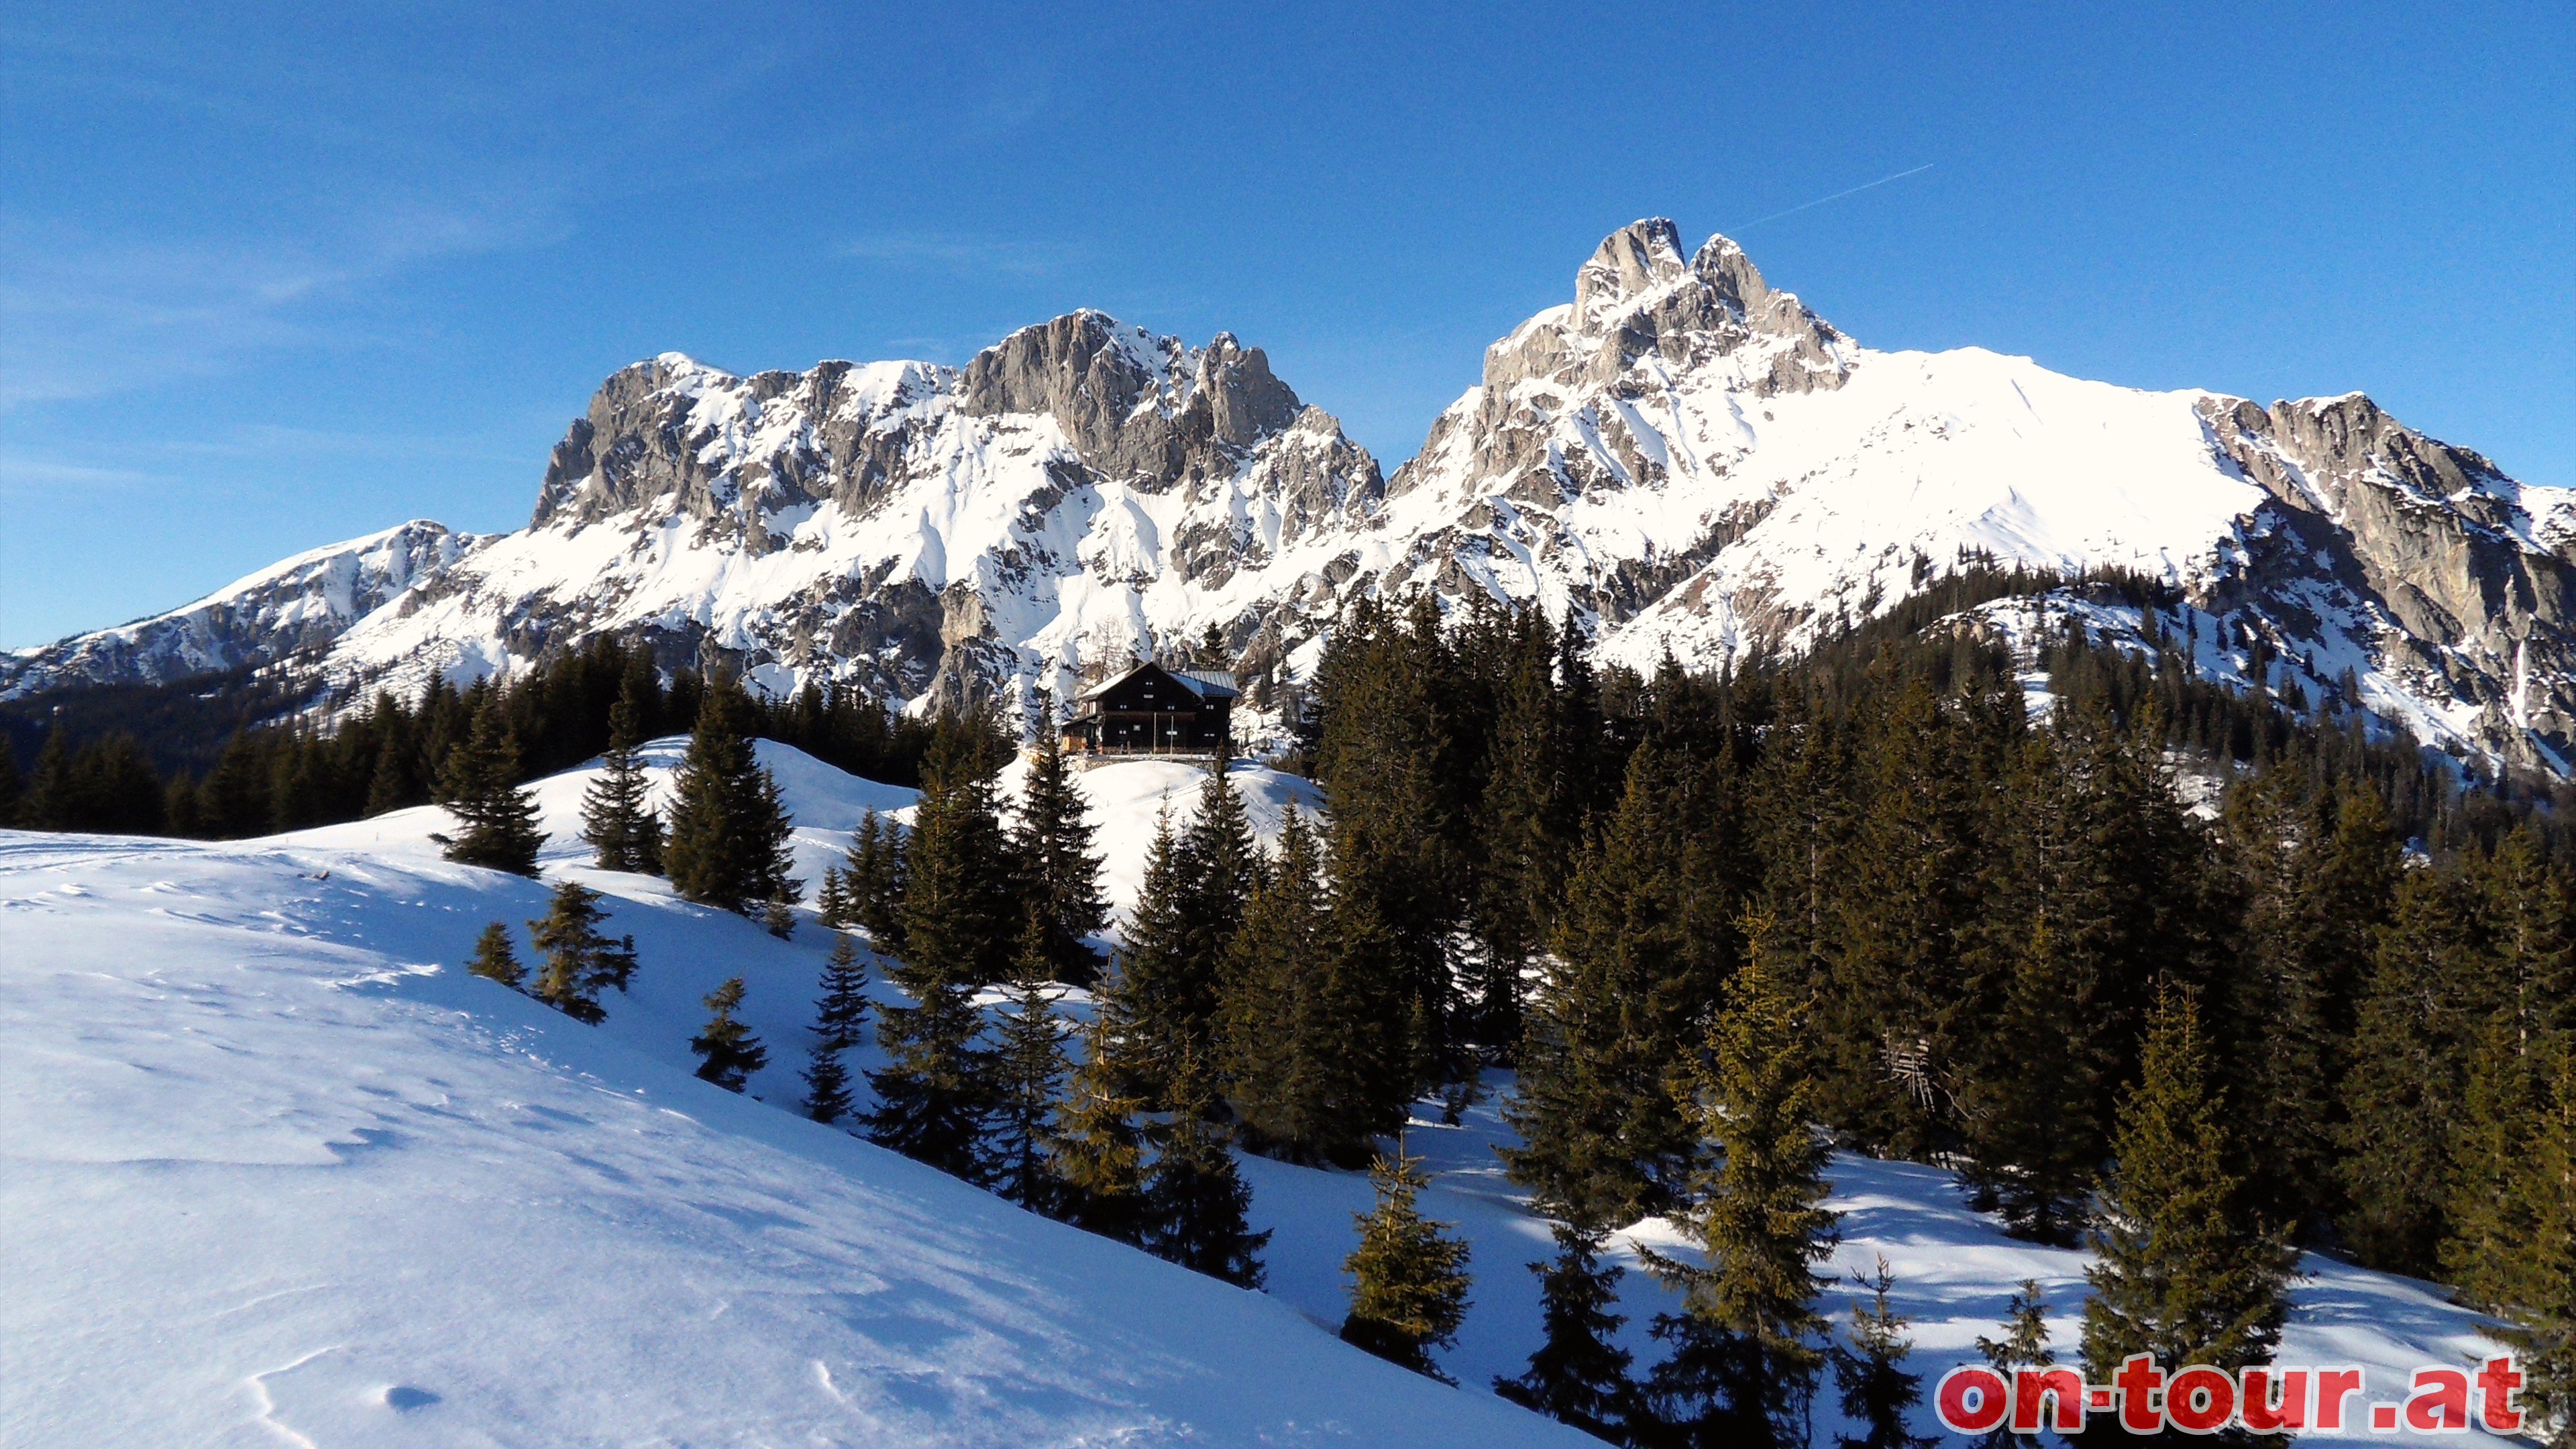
point(136, 760)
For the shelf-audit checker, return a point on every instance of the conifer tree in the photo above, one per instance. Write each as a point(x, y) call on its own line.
point(1195, 1200)
point(2024, 1345)
point(827, 1084)
point(1028, 1065)
point(832, 900)
point(729, 832)
point(497, 821)
point(1523, 815)
point(1225, 868)
point(1875, 1390)
point(579, 960)
point(961, 905)
point(2401, 1097)
point(934, 1092)
point(1409, 1280)
point(727, 1051)
point(617, 815)
point(1058, 868)
point(495, 961)
point(2181, 1273)
point(1161, 998)
point(1603, 1141)
point(872, 880)
point(12, 788)
point(1743, 1364)
point(1579, 1376)
point(2538, 1284)
point(931, 1103)
point(838, 1015)
point(1386, 760)
point(1099, 1153)
point(1294, 1031)
point(778, 916)
point(2032, 1161)
point(54, 795)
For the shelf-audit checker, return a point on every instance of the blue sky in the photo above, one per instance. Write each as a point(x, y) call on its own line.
point(272, 277)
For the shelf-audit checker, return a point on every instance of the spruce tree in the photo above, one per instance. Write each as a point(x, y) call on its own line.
point(1161, 998)
point(2024, 1345)
point(1225, 868)
point(1523, 817)
point(838, 1015)
point(1602, 1140)
point(778, 916)
point(495, 961)
point(1028, 1066)
point(2517, 1010)
point(1099, 1153)
point(729, 832)
point(931, 1105)
point(2181, 1274)
point(1294, 1032)
point(13, 789)
point(1195, 1200)
point(727, 1051)
point(1744, 1362)
point(2031, 1161)
point(497, 821)
point(832, 901)
point(617, 815)
point(961, 907)
point(1058, 868)
point(1387, 760)
point(1409, 1280)
point(1876, 1392)
point(1579, 1376)
point(54, 797)
point(579, 960)
point(2537, 1286)
point(2401, 1098)
point(872, 879)
point(933, 1093)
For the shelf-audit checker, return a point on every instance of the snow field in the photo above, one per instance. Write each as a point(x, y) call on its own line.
point(282, 1173)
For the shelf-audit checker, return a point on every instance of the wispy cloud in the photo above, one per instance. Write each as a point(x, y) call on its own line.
point(84, 314)
point(24, 474)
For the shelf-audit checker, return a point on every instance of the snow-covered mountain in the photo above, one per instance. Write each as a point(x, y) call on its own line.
point(299, 605)
point(1683, 458)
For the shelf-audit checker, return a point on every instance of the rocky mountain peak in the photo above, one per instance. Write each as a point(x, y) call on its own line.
point(1133, 405)
point(1636, 259)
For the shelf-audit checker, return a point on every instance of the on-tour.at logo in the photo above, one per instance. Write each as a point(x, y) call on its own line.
point(2199, 1399)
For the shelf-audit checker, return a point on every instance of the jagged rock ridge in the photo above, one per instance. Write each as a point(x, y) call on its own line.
point(1682, 459)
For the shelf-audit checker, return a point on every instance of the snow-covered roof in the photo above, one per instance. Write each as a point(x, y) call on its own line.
point(1205, 683)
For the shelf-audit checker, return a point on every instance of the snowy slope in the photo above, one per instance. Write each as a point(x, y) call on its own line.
point(278, 1175)
point(281, 1173)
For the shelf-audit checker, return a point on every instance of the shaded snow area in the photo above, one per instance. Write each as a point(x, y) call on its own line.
point(280, 1172)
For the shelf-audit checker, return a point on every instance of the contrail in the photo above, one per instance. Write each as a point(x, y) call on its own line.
point(1821, 200)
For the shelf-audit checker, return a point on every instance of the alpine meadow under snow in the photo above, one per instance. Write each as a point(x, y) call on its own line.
point(280, 1172)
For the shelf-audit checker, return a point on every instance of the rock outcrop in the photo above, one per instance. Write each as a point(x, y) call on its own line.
point(1680, 460)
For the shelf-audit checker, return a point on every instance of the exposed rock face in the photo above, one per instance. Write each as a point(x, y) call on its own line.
point(1680, 460)
point(2421, 555)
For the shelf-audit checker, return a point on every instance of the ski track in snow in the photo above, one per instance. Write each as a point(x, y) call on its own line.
point(282, 1173)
